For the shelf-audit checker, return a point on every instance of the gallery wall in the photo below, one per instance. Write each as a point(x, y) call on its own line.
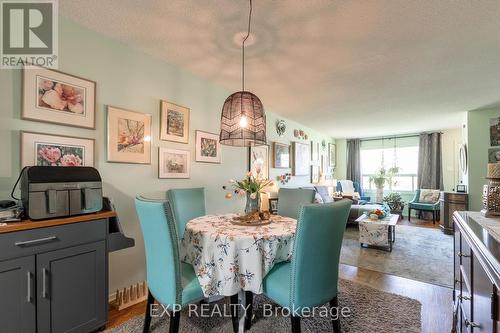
point(478, 142)
point(130, 79)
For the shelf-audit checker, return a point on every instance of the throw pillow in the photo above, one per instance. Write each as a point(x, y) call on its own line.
point(429, 196)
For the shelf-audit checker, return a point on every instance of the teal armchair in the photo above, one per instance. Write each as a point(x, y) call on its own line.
point(170, 281)
point(187, 204)
point(291, 199)
point(311, 278)
point(424, 206)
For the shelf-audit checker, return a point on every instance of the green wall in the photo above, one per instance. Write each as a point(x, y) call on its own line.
point(478, 141)
point(133, 80)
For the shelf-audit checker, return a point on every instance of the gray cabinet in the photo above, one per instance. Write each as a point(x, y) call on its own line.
point(71, 284)
point(17, 301)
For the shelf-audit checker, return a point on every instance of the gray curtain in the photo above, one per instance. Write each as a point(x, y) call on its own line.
point(430, 168)
point(353, 160)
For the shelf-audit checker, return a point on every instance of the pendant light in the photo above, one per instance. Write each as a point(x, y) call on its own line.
point(243, 121)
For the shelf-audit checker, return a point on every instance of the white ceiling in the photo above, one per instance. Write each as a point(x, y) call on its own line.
point(348, 68)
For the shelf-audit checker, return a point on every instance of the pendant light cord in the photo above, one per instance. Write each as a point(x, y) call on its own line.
point(243, 48)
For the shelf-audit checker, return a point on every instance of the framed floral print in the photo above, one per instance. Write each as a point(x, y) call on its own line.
point(332, 151)
point(301, 159)
point(174, 122)
point(258, 161)
point(174, 163)
point(56, 97)
point(281, 155)
point(39, 149)
point(129, 136)
point(208, 148)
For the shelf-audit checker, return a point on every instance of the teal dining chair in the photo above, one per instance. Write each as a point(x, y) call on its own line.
point(187, 204)
point(311, 277)
point(291, 199)
point(170, 281)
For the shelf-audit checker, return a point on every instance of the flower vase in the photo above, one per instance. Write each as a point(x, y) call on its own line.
point(253, 205)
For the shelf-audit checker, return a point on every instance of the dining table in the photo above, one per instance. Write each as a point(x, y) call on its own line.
point(230, 257)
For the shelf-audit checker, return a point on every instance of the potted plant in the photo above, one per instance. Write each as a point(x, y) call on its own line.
point(395, 203)
point(382, 177)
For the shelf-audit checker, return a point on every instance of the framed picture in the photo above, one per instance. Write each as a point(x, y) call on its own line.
point(281, 155)
point(174, 163)
point(273, 205)
point(208, 148)
point(56, 97)
point(301, 159)
point(174, 122)
point(495, 132)
point(494, 155)
point(314, 174)
point(332, 151)
point(259, 160)
point(38, 149)
point(129, 136)
point(314, 151)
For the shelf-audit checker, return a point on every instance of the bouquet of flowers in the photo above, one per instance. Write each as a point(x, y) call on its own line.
point(251, 187)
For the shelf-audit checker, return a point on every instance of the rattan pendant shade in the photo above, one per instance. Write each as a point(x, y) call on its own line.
point(235, 131)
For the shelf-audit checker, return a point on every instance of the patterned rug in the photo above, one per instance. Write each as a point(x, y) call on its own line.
point(421, 254)
point(370, 310)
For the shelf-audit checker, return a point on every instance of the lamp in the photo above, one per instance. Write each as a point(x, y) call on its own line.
point(491, 192)
point(243, 121)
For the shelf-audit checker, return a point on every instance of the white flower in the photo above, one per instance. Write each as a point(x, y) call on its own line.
point(253, 195)
point(232, 181)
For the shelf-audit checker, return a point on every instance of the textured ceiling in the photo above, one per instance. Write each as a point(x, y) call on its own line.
point(348, 68)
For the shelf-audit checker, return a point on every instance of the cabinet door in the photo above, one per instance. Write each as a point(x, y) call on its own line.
point(71, 287)
point(17, 303)
point(481, 300)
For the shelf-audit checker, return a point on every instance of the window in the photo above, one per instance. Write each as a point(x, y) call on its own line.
point(402, 152)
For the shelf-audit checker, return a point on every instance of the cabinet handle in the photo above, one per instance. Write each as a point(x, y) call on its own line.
point(465, 298)
point(460, 254)
point(36, 241)
point(45, 281)
point(30, 282)
point(471, 323)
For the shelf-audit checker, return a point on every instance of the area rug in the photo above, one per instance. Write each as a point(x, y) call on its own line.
point(370, 310)
point(421, 254)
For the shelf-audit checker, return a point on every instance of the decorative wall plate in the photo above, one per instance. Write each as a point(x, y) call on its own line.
point(280, 127)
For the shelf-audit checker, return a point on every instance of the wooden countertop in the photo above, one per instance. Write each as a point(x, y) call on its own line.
point(30, 224)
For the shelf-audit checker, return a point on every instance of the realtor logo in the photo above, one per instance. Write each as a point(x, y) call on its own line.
point(29, 33)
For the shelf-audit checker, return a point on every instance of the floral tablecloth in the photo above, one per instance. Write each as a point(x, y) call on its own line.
point(228, 258)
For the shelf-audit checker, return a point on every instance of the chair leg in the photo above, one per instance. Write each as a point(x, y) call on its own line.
point(234, 312)
point(433, 217)
point(409, 213)
point(147, 318)
point(249, 309)
point(334, 303)
point(295, 324)
point(175, 317)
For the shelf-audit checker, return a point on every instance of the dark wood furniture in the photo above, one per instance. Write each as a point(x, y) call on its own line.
point(449, 203)
point(54, 273)
point(476, 273)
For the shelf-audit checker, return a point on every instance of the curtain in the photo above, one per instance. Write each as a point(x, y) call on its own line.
point(353, 160)
point(430, 168)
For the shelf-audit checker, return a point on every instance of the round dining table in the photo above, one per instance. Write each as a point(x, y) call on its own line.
point(230, 258)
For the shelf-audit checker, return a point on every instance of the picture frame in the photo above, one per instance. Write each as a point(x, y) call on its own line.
point(207, 148)
point(258, 160)
point(174, 122)
point(461, 188)
point(128, 136)
point(281, 155)
point(315, 172)
point(273, 205)
point(494, 155)
point(43, 149)
point(495, 131)
point(301, 159)
point(314, 151)
point(174, 163)
point(52, 96)
point(332, 152)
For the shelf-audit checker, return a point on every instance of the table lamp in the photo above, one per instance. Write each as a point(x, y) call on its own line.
point(491, 191)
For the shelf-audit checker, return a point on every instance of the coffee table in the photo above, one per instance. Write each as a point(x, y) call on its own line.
point(380, 234)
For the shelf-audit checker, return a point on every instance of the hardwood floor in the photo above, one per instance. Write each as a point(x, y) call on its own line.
point(436, 301)
point(415, 222)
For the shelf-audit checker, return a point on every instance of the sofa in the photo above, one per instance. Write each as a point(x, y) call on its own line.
point(357, 188)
